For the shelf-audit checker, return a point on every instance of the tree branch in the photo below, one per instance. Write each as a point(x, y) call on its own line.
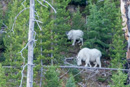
point(23, 4)
point(41, 3)
point(92, 68)
point(16, 18)
point(22, 75)
point(50, 5)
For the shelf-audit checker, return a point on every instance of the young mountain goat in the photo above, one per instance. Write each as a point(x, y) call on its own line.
point(89, 55)
point(75, 35)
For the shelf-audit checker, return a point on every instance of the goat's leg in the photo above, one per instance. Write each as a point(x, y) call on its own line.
point(81, 40)
point(87, 63)
point(73, 42)
point(90, 65)
point(95, 64)
point(98, 61)
point(78, 41)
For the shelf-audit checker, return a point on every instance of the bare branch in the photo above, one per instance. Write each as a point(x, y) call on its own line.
point(64, 74)
point(41, 3)
point(65, 61)
point(79, 73)
point(23, 4)
point(5, 25)
point(41, 76)
point(8, 67)
point(16, 18)
point(81, 84)
point(37, 14)
point(38, 21)
point(50, 5)
point(92, 68)
point(92, 75)
point(38, 25)
point(22, 75)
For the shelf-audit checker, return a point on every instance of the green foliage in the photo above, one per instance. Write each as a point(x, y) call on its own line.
point(49, 40)
point(2, 48)
point(61, 26)
point(71, 82)
point(14, 41)
point(1, 15)
point(118, 79)
point(100, 23)
point(51, 78)
point(2, 77)
point(77, 20)
point(117, 52)
point(74, 72)
point(117, 46)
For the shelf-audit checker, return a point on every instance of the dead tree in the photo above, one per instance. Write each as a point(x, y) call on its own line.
point(125, 11)
point(30, 45)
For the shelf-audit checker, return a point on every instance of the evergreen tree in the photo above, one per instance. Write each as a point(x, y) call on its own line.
point(77, 20)
point(99, 26)
point(71, 82)
point(118, 79)
point(1, 14)
point(51, 39)
point(14, 41)
point(45, 37)
point(117, 46)
point(51, 78)
point(117, 52)
point(2, 77)
point(2, 47)
point(61, 26)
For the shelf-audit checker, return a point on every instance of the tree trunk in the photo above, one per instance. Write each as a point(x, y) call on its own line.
point(52, 17)
point(30, 45)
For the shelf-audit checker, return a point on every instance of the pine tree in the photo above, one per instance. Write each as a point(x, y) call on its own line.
point(118, 79)
point(2, 77)
point(2, 47)
point(61, 25)
point(117, 52)
point(51, 78)
point(117, 46)
point(99, 26)
point(1, 14)
point(71, 82)
point(53, 31)
point(77, 20)
point(50, 38)
point(14, 41)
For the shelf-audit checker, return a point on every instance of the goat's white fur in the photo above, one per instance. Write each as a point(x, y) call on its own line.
point(89, 55)
point(75, 35)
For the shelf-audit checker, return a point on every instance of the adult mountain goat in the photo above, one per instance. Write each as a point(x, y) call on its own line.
point(75, 35)
point(89, 55)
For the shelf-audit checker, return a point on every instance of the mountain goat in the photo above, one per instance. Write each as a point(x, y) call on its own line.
point(75, 35)
point(89, 55)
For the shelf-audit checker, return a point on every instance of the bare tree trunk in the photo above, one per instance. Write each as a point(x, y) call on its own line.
point(52, 34)
point(41, 76)
point(30, 45)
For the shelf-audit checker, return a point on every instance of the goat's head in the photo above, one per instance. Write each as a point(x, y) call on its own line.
point(68, 35)
point(78, 61)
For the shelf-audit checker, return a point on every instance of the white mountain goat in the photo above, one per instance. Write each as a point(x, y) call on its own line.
point(89, 55)
point(75, 35)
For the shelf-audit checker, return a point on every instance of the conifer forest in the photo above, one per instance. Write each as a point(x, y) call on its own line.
point(64, 43)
